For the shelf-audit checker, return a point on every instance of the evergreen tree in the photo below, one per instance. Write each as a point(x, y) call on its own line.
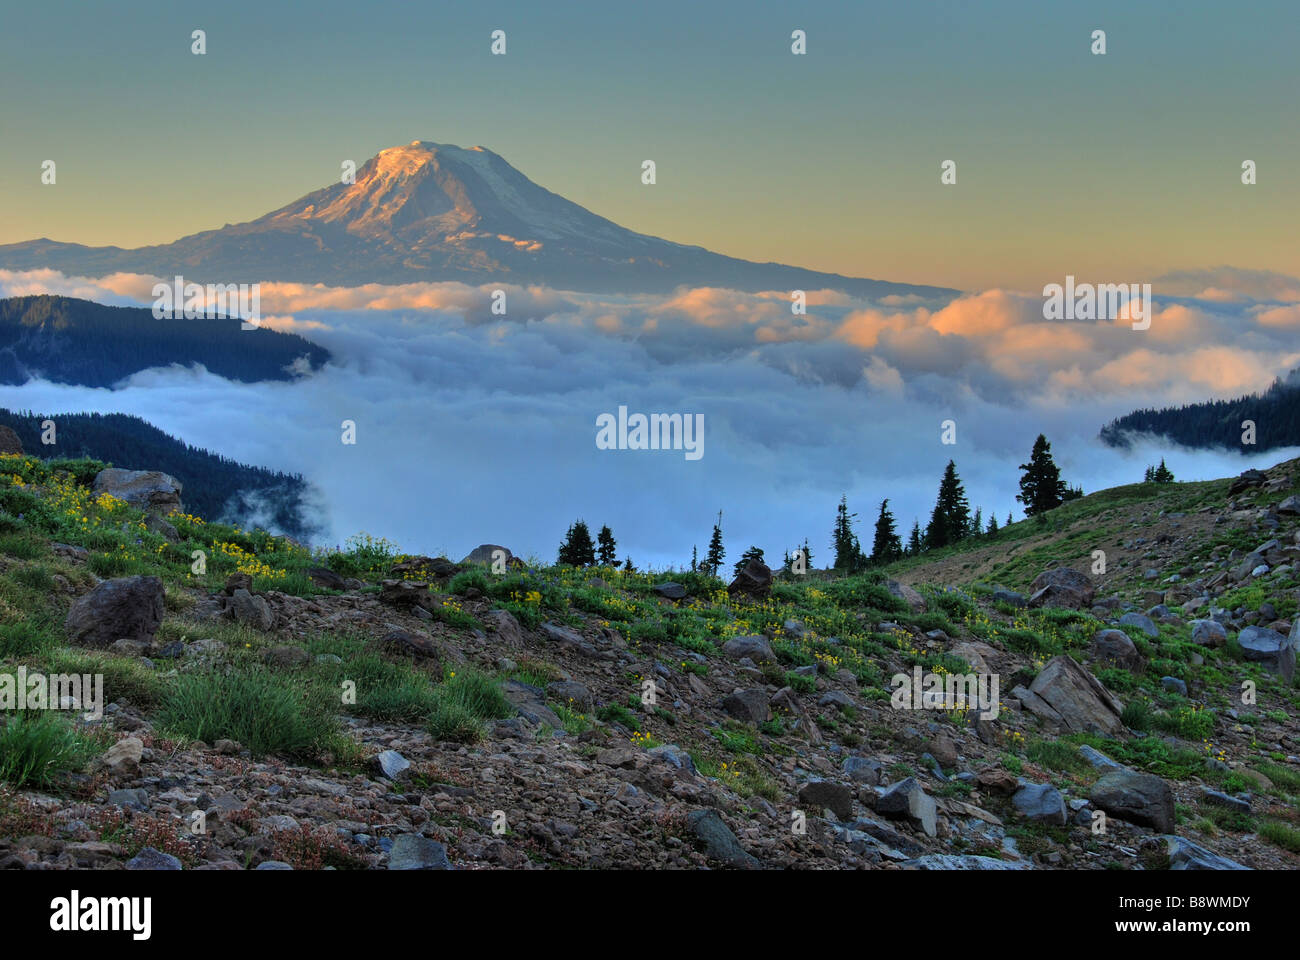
point(1149, 475)
point(950, 520)
point(886, 547)
point(993, 525)
point(713, 559)
point(753, 553)
point(977, 523)
point(1041, 486)
point(1162, 474)
point(914, 541)
point(606, 556)
point(577, 550)
point(1009, 520)
point(694, 560)
point(627, 565)
point(847, 549)
point(1072, 493)
point(807, 555)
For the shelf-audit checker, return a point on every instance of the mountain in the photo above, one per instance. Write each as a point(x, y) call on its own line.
point(66, 340)
point(214, 487)
point(428, 212)
point(1217, 423)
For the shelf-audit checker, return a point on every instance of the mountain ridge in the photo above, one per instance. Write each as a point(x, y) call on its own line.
point(427, 211)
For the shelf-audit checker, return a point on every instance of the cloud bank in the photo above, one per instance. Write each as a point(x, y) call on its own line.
point(476, 427)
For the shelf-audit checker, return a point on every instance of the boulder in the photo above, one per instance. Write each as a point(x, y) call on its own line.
point(719, 842)
point(670, 591)
point(755, 648)
point(826, 794)
point(325, 578)
point(530, 703)
point(754, 581)
point(574, 695)
point(1208, 633)
point(968, 861)
point(749, 706)
point(1062, 587)
point(1041, 802)
point(486, 554)
point(149, 490)
point(1185, 855)
point(413, 852)
point(418, 645)
point(1074, 699)
point(1116, 647)
point(252, 610)
point(1141, 798)
point(126, 607)
point(901, 591)
point(1009, 597)
point(1275, 652)
point(907, 800)
point(863, 770)
point(1142, 622)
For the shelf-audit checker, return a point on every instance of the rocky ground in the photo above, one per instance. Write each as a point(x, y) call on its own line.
point(663, 721)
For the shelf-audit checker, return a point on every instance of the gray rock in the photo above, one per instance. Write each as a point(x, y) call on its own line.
point(1174, 685)
point(827, 794)
point(1062, 587)
point(149, 490)
point(907, 800)
point(1185, 855)
point(754, 580)
point(252, 610)
point(1224, 800)
point(572, 694)
point(1208, 633)
point(749, 706)
point(915, 602)
point(136, 799)
point(1142, 622)
point(486, 554)
point(392, 765)
point(530, 702)
point(414, 852)
point(948, 861)
point(126, 607)
point(1271, 649)
point(1140, 798)
point(1041, 802)
point(151, 859)
point(286, 657)
point(863, 770)
point(755, 648)
point(675, 756)
point(1010, 597)
point(837, 699)
point(1115, 646)
point(670, 591)
point(1067, 694)
point(273, 865)
point(719, 842)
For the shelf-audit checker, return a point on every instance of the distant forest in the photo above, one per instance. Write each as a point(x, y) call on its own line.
point(214, 487)
point(66, 340)
point(1217, 423)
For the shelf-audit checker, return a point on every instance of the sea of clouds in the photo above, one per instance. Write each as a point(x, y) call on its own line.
point(473, 427)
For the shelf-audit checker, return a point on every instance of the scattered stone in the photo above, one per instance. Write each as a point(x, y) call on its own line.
point(1115, 646)
point(754, 581)
point(755, 648)
point(1185, 855)
point(1142, 622)
point(1141, 798)
point(126, 607)
point(907, 800)
point(827, 794)
point(749, 706)
point(413, 852)
point(670, 591)
point(149, 490)
point(392, 765)
point(151, 859)
point(719, 842)
point(1041, 802)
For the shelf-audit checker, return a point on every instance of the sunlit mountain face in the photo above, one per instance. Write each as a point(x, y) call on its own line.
point(429, 211)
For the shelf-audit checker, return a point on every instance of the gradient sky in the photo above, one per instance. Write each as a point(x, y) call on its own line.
point(1114, 168)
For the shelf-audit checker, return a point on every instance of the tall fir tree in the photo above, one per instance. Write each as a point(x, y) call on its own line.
point(977, 523)
point(950, 520)
point(847, 548)
point(716, 553)
point(577, 550)
point(993, 524)
point(914, 544)
point(1041, 486)
point(1162, 474)
point(606, 556)
point(887, 547)
point(694, 558)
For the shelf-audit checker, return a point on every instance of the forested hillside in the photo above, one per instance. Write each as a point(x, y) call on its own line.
point(214, 486)
point(76, 341)
point(1218, 423)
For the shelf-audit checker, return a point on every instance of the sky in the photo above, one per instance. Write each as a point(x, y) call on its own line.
point(1119, 167)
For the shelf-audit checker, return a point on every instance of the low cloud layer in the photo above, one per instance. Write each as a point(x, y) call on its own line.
point(474, 427)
